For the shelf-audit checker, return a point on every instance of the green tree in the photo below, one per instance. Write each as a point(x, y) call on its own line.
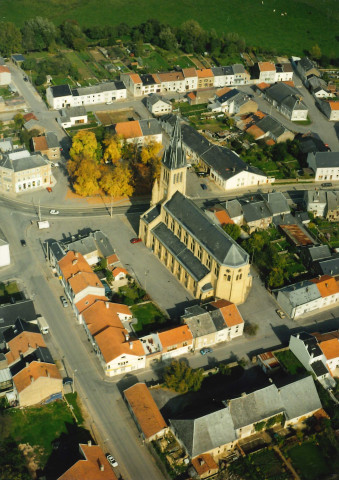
point(18, 121)
point(233, 230)
point(251, 329)
point(10, 39)
point(72, 35)
point(181, 378)
point(276, 277)
point(315, 52)
point(38, 33)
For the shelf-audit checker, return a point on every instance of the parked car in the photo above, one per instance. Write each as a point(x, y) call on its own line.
point(49, 189)
point(109, 103)
point(203, 186)
point(204, 351)
point(111, 460)
point(54, 212)
point(23, 243)
point(328, 184)
point(135, 240)
point(64, 302)
point(280, 313)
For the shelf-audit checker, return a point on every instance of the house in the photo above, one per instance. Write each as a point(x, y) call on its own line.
point(117, 350)
point(217, 432)
point(36, 378)
point(306, 68)
point(235, 211)
point(175, 341)
point(313, 253)
point(139, 131)
point(330, 108)
point(325, 165)
point(240, 75)
point(276, 203)
point(6, 145)
point(17, 58)
point(223, 76)
point(318, 87)
point(34, 124)
point(10, 312)
point(197, 97)
point(69, 117)
point(203, 466)
point(190, 78)
point(224, 166)
point(5, 75)
point(332, 209)
point(284, 72)
point(145, 412)
point(21, 339)
point(264, 72)
point(327, 266)
point(315, 202)
point(267, 128)
point(329, 289)
point(287, 101)
point(319, 354)
point(213, 323)
point(20, 172)
point(47, 145)
point(171, 81)
point(119, 273)
point(62, 96)
point(92, 466)
point(141, 84)
point(197, 251)
point(268, 362)
point(158, 105)
point(234, 102)
point(205, 78)
point(257, 215)
point(5, 256)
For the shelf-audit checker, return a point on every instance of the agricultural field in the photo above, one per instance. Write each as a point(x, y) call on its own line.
point(288, 26)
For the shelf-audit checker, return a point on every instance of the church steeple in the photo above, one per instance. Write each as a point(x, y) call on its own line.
point(173, 168)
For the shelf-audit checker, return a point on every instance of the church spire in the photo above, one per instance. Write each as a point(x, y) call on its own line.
point(174, 156)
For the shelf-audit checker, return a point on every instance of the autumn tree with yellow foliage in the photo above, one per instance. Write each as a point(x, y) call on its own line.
point(85, 145)
point(112, 152)
point(117, 181)
point(150, 155)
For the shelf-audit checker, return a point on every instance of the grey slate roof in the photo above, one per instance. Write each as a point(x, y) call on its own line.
point(100, 88)
point(213, 238)
point(84, 246)
point(333, 200)
point(41, 354)
point(234, 208)
point(228, 96)
point(202, 434)
point(179, 250)
point(57, 249)
point(326, 159)
point(52, 140)
point(61, 91)
point(300, 293)
point(67, 113)
point(300, 398)
point(10, 312)
point(306, 63)
point(221, 71)
point(202, 322)
point(329, 266)
point(19, 327)
point(238, 68)
point(26, 163)
point(319, 368)
point(154, 98)
point(276, 202)
point(103, 243)
point(174, 156)
point(150, 127)
point(270, 124)
point(317, 252)
point(311, 343)
point(285, 95)
point(255, 211)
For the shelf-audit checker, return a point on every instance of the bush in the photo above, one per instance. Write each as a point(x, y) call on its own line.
point(181, 378)
point(251, 329)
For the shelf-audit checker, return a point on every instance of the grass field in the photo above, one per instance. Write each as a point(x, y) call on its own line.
point(9, 290)
point(75, 60)
point(308, 459)
point(307, 21)
point(290, 362)
point(150, 318)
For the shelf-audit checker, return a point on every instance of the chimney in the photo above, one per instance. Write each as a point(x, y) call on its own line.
point(127, 336)
point(89, 443)
point(74, 261)
point(149, 124)
point(27, 364)
point(76, 254)
point(201, 461)
point(32, 379)
point(47, 373)
point(131, 345)
point(102, 467)
point(243, 394)
point(107, 304)
point(270, 379)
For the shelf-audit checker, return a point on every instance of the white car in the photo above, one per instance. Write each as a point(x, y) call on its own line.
point(109, 103)
point(54, 212)
point(111, 460)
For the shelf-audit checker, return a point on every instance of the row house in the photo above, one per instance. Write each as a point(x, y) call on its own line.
point(330, 109)
point(172, 81)
point(268, 72)
point(62, 96)
point(140, 85)
point(325, 165)
point(233, 102)
point(190, 78)
point(223, 76)
point(319, 354)
point(139, 131)
point(287, 100)
point(47, 145)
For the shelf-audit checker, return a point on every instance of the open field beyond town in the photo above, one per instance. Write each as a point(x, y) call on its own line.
point(305, 23)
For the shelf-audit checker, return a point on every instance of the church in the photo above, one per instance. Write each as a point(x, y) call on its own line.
point(207, 261)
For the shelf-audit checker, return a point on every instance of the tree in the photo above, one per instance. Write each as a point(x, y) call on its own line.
point(10, 39)
point(276, 277)
point(233, 230)
point(85, 174)
point(85, 144)
point(112, 153)
point(117, 181)
point(18, 121)
point(181, 378)
point(251, 329)
point(72, 35)
point(150, 155)
point(167, 39)
point(38, 34)
point(315, 52)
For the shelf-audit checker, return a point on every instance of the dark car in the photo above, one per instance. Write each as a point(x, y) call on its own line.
point(23, 243)
point(204, 351)
point(203, 186)
point(328, 184)
point(135, 240)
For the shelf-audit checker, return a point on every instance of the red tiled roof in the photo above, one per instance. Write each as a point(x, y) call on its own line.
point(222, 91)
point(191, 95)
point(73, 263)
point(87, 301)
point(330, 348)
point(175, 336)
point(229, 311)
point(289, 82)
point(145, 410)
point(205, 72)
point(118, 270)
point(40, 144)
point(189, 72)
point(266, 67)
point(255, 131)
point(223, 217)
point(33, 372)
point(22, 343)
point(263, 85)
point(4, 69)
point(112, 259)
point(327, 285)
point(135, 78)
point(205, 463)
point(112, 343)
point(129, 129)
point(82, 280)
point(334, 105)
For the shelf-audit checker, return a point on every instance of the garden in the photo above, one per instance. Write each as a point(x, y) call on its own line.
point(327, 232)
point(265, 464)
point(8, 291)
point(290, 362)
point(309, 461)
point(150, 318)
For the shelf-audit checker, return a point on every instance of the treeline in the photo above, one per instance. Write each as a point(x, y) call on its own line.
point(39, 34)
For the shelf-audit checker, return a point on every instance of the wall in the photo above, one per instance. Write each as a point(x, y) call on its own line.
point(39, 390)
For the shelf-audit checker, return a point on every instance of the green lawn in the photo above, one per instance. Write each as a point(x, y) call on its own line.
point(155, 62)
point(328, 232)
point(82, 68)
point(308, 459)
point(290, 362)
point(8, 290)
point(259, 23)
point(268, 463)
point(182, 62)
point(150, 318)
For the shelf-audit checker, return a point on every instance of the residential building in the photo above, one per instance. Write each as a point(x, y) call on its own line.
point(324, 164)
point(197, 97)
point(62, 96)
point(139, 131)
point(233, 102)
point(328, 266)
point(213, 323)
point(264, 72)
point(93, 466)
point(21, 339)
point(306, 68)
point(224, 166)
point(20, 171)
point(171, 82)
point(330, 108)
point(199, 253)
point(235, 211)
point(308, 295)
point(141, 84)
point(319, 354)
point(223, 76)
point(313, 253)
point(36, 378)
point(175, 341)
point(5, 75)
point(203, 466)
point(332, 209)
point(6, 145)
point(158, 105)
point(266, 127)
point(10, 312)
point(240, 75)
point(287, 101)
point(119, 273)
point(190, 78)
point(257, 215)
point(284, 72)
point(47, 145)
point(5, 256)
point(217, 432)
point(145, 413)
point(69, 117)
point(318, 87)
point(315, 202)
point(205, 78)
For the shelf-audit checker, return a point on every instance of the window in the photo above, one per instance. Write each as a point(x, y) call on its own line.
point(185, 239)
point(208, 261)
point(216, 270)
point(179, 231)
point(199, 252)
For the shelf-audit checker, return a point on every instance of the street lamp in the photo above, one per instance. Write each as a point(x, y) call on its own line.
point(73, 385)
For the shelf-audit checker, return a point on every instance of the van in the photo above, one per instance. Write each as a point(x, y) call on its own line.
point(43, 325)
point(44, 224)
